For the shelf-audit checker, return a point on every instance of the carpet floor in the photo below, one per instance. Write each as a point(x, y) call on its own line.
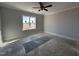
point(42, 44)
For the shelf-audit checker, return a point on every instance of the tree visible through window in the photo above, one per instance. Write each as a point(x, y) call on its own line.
point(29, 22)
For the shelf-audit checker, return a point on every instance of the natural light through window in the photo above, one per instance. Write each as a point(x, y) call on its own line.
point(29, 23)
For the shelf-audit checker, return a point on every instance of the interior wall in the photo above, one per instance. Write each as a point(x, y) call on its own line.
point(64, 23)
point(12, 24)
point(0, 29)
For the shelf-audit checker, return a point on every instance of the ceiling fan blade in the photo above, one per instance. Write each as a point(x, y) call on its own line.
point(45, 9)
point(48, 6)
point(36, 7)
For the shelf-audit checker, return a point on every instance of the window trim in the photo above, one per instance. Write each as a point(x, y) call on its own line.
point(29, 23)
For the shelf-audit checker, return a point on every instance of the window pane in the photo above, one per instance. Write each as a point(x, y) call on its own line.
point(25, 22)
point(33, 22)
point(29, 23)
point(25, 19)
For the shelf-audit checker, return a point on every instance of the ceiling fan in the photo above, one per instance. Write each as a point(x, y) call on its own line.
point(42, 7)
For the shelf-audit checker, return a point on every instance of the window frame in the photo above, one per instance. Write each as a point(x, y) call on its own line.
point(29, 23)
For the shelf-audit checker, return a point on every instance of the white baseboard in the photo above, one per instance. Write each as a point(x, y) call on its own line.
point(62, 36)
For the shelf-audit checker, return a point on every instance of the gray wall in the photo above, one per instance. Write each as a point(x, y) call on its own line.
point(64, 23)
point(12, 24)
point(0, 29)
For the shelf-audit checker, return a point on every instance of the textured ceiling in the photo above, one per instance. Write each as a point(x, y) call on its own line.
point(28, 6)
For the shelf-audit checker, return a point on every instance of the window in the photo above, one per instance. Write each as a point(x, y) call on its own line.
point(29, 23)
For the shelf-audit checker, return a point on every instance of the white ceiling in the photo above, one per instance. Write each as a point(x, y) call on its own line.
point(28, 6)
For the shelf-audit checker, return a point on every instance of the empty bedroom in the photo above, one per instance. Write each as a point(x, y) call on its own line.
point(39, 28)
